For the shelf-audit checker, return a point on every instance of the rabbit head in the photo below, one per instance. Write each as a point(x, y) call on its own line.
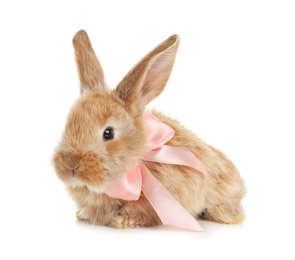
point(104, 133)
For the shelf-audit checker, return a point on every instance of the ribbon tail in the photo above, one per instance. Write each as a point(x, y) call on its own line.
point(176, 155)
point(166, 206)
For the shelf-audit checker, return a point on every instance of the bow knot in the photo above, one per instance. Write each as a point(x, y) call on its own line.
point(139, 178)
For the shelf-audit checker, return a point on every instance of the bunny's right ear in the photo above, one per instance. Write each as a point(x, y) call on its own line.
point(90, 71)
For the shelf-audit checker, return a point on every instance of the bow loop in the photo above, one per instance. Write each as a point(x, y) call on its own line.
point(158, 132)
point(129, 188)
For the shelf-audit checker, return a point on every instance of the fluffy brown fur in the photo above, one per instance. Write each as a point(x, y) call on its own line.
point(89, 165)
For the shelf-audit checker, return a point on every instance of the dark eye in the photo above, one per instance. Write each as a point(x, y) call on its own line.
point(108, 134)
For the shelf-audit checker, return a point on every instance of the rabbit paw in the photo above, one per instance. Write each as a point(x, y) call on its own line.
point(130, 217)
point(123, 222)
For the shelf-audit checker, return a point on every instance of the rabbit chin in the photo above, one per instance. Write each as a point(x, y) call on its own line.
point(76, 183)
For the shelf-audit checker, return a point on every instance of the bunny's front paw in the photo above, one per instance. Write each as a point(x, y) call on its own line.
point(123, 221)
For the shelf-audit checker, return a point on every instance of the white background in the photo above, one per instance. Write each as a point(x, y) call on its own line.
point(232, 83)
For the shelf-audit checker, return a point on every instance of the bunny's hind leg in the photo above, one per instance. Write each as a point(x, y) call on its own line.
point(224, 193)
point(224, 214)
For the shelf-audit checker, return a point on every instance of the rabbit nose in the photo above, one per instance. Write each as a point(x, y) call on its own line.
point(71, 161)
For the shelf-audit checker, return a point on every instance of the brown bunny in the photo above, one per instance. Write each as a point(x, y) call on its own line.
point(105, 135)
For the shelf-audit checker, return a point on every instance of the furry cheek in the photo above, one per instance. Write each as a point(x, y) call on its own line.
point(91, 170)
point(113, 147)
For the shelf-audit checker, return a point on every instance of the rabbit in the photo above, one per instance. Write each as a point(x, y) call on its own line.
point(105, 135)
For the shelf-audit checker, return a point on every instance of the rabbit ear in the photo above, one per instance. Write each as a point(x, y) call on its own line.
point(89, 69)
point(148, 78)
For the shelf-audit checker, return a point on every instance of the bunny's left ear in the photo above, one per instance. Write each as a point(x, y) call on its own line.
point(148, 78)
point(90, 71)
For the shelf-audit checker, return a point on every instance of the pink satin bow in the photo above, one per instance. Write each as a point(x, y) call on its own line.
point(139, 178)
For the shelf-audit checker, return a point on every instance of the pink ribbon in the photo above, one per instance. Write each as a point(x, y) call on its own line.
point(139, 178)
